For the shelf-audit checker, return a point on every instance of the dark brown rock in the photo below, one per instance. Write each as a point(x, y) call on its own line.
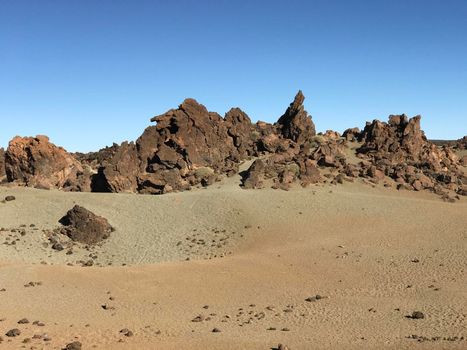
point(85, 227)
point(351, 134)
point(242, 132)
point(76, 345)
point(36, 162)
point(126, 332)
point(295, 124)
point(2, 164)
point(120, 171)
point(254, 176)
point(400, 149)
point(13, 332)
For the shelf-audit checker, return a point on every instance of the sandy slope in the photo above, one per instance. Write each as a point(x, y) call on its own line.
point(375, 254)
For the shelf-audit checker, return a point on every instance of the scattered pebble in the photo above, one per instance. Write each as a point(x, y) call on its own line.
point(13, 332)
point(126, 332)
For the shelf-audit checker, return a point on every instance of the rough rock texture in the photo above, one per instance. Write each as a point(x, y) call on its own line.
point(254, 176)
point(242, 132)
point(461, 144)
point(351, 134)
point(400, 150)
point(119, 172)
point(2, 164)
point(85, 227)
point(190, 146)
point(36, 162)
point(295, 124)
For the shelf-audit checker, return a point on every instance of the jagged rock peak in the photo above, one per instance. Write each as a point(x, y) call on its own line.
point(295, 123)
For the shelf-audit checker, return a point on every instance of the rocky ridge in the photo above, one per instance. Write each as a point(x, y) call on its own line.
point(190, 146)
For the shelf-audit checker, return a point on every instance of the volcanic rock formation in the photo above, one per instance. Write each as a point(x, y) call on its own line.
point(83, 226)
point(2, 164)
point(191, 146)
point(295, 124)
point(36, 162)
point(400, 150)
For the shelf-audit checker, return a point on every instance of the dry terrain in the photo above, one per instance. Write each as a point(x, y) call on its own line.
point(325, 267)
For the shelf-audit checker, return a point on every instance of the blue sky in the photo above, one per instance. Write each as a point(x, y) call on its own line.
point(88, 73)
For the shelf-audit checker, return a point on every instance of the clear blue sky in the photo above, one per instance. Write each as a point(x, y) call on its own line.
point(88, 73)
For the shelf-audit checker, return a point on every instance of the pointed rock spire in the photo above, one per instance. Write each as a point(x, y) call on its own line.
point(295, 123)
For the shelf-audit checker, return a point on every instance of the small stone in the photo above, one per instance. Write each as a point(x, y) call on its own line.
point(76, 345)
point(417, 315)
point(198, 318)
point(216, 330)
point(126, 332)
point(10, 198)
point(13, 332)
point(23, 321)
point(282, 347)
point(57, 246)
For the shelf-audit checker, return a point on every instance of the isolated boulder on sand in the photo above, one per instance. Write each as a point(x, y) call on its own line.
point(83, 226)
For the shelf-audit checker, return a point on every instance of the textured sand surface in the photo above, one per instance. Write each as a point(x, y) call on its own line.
point(375, 255)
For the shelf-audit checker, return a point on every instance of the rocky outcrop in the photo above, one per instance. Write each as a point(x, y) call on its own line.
point(242, 132)
point(2, 164)
point(351, 134)
point(295, 124)
point(400, 150)
point(254, 176)
point(36, 162)
point(81, 225)
point(187, 146)
point(461, 144)
point(119, 173)
point(190, 146)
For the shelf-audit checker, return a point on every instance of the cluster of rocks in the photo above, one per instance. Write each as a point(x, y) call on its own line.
point(399, 150)
point(191, 146)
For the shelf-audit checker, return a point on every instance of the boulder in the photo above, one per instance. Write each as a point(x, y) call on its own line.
point(351, 134)
point(36, 162)
point(120, 172)
point(242, 132)
point(254, 176)
point(83, 226)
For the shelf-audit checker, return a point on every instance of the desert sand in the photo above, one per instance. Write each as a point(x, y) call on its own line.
point(248, 263)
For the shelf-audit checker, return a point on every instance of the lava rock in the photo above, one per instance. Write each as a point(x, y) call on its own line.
point(83, 226)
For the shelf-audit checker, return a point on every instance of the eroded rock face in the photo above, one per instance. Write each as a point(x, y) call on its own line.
point(81, 225)
point(242, 132)
point(36, 162)
point(254, 176)
point(120, 172)
point(2, 164)
point(191, 146)
point(461, 143)
point(295, 123)
point(400, 150)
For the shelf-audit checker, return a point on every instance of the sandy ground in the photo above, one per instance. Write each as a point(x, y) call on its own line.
point(375, 255)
